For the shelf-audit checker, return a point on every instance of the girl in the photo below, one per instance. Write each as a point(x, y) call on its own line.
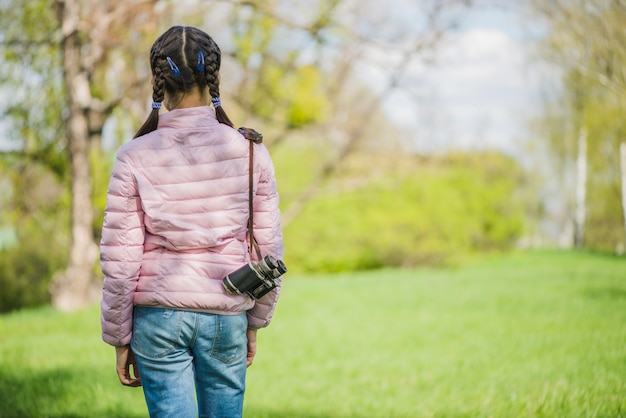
point(175, 225)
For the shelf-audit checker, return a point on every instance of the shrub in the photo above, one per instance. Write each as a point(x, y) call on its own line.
point(26, 270)
point(430, 214)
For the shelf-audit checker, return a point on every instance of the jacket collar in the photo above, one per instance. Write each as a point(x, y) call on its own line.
point(191, 117)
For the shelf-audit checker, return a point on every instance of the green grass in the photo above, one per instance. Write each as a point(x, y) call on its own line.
point(540, 334)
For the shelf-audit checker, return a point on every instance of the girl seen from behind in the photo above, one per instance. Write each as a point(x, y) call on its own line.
point(176, 224)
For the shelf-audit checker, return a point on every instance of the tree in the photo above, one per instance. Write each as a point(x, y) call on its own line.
point(581, 188)
point(585, 40)
point(89, 35)
point(73, 53)
point(622, 149)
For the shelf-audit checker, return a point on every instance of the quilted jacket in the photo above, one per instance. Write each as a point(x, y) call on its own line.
point(176, 222)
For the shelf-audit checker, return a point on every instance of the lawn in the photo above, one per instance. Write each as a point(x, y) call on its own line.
point(538, 334)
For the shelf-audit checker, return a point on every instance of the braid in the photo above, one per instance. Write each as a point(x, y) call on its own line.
point(158, 94)
point(214, 90)
point(211, 70)
point(211, 73)
point(158, 90)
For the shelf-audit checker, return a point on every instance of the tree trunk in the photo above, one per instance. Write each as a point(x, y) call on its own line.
point(581, 189)
point(622, 151)
point(76, 286)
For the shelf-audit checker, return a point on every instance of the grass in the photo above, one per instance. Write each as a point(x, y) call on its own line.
point(539, 334)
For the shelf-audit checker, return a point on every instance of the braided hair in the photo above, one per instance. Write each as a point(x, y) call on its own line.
point(180, 59)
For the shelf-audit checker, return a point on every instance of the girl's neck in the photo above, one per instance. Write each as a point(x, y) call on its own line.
point(192, 98)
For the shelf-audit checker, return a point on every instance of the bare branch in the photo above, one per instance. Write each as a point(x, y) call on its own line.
point(356, 135)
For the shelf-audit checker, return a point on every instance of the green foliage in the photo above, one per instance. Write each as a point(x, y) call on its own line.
point(26, 269)
point(604, 221)
point(295, 98)
point(296, 164)
point(35, 209)
point(31, 68)
point(30, 27)
point(35, 202)
point(101, 166)
point(526, 335)
point(282, 90)
point(431, 212)
point(305, 95)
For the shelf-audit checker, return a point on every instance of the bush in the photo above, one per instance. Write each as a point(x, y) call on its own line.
point(430, 214)
point(26, 270)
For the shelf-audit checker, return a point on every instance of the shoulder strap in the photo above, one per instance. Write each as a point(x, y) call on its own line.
point(255, 138)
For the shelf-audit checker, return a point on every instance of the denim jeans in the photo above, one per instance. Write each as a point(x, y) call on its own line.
point(177, 350)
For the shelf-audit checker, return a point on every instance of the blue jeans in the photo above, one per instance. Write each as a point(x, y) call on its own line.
point(177, 350)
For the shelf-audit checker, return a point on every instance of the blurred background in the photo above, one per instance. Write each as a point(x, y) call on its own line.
point(405, 133)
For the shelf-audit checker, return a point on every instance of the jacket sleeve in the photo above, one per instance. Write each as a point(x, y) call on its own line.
point(121, 253)
point(267, 232)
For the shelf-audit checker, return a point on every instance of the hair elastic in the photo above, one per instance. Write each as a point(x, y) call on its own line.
point(173, 66)
point(156, 105)
point(200, 61)
point(217, 102)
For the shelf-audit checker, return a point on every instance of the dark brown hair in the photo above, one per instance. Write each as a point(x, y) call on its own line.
point(183, 45)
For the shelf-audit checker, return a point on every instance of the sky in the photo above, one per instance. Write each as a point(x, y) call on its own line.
point(483, 88)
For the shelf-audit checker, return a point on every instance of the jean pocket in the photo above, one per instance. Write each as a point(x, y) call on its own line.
point(230, 343)
point(156, 331)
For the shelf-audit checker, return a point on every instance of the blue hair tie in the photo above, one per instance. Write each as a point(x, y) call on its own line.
point(156, 105)
point(173, 66)
point(200, 61)
point(216, 102)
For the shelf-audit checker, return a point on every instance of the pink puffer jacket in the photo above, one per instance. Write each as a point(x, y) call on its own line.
point(176, 220)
